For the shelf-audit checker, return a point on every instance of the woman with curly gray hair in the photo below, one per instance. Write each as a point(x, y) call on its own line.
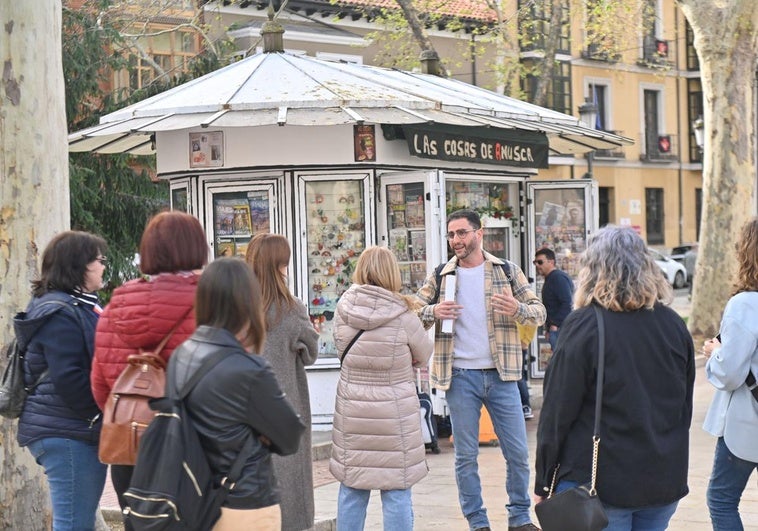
point(647, 389)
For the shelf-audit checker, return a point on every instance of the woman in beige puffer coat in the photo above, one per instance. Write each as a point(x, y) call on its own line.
point(376, 439)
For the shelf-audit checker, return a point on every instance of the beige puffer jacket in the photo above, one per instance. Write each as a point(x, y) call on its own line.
point(376, 438)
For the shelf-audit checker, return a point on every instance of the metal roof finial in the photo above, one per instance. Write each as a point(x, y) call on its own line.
point(272, 33)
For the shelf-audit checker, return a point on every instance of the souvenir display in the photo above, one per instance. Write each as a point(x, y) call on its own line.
point(407, 232)
point(336, 237)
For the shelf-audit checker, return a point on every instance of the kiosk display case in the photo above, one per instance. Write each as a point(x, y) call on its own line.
point(336, 230)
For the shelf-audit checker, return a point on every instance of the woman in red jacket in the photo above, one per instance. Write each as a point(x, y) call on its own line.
point(142, 312)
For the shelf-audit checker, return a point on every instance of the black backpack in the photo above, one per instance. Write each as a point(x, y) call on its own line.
point(172, 486)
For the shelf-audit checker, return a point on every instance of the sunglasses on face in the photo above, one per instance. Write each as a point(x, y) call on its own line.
point(539, 262)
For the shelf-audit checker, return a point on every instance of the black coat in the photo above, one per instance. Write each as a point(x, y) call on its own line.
point(59, 339)
point(647, 407)
point(239, 396)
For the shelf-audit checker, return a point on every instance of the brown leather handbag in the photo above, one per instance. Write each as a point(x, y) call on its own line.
point(127, 412)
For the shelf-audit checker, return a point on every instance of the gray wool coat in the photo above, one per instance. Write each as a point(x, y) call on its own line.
point(376, 438)
point(291, 345)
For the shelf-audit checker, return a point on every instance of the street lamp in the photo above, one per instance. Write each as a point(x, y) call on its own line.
point(698, 127)
point(588, 117)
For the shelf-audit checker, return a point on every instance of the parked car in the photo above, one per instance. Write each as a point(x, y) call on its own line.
point(677, 253)
point(674, 271)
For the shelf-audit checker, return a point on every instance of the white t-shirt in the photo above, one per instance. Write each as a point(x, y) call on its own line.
point(471, 346)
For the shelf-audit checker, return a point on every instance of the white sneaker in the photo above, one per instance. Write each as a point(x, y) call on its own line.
point(527, 413)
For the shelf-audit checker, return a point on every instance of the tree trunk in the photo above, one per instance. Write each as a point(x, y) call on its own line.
point(34, 204)
point(417, 28)
point(726, 40)
point(546, 66)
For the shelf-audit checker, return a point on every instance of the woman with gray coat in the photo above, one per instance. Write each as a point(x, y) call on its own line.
point(376, 437)
point(291, 345)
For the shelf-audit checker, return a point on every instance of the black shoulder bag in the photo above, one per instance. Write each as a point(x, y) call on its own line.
point(579, 508)
point(349, 345)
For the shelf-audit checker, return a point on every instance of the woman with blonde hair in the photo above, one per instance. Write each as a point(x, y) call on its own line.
point(732, 368)
point(291, 345)
point(376, 438)
point(647, 389)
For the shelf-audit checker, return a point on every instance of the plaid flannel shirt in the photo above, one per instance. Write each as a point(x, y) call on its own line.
point(502, 333)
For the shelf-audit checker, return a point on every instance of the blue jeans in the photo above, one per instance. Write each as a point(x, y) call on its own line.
point(728, 480)
point(651, 518)
point(470, 389)
point(397, 509)
point(76, 478)
point(552, 338)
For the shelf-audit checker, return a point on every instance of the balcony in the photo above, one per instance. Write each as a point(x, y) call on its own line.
point(611, 154)
point(655, 53)
point(595, 52)
point(661, 148)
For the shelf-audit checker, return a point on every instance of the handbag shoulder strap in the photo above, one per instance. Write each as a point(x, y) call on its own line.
point(352, 342)
point(598, 394)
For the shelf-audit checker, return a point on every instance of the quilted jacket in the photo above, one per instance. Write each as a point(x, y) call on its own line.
point(59, 339)
point(141, 313)
point(376, 438)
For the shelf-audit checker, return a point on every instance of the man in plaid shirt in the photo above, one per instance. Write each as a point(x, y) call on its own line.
point(479, 363)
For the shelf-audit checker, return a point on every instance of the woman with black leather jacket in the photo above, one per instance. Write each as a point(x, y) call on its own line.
point(240, 396)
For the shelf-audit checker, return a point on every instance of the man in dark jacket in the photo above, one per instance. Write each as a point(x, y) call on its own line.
point(557, 293)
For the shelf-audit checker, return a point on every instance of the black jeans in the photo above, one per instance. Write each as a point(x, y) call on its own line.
point(121, 476)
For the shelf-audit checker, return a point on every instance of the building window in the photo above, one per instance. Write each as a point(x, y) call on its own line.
point(162, 53)
point(658, 145)
point(559, 91)
point(598, 94)
point(693, 63)
point(694, 110)
point(654, 215)
point(534, 25)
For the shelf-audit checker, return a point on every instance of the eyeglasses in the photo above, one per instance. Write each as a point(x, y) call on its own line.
point(461, 233)
point(538, 262)
point(102, 259)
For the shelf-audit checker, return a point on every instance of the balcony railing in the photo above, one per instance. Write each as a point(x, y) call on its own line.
point(595, 52)
point(655, 52)
point(616, 153)
point(662, 147)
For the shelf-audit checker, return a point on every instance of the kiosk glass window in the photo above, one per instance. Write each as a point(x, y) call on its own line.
point(237, 216)
point(407, 232)
point(336, 236)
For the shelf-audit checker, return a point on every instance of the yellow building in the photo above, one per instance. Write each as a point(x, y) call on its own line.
point(648, 90)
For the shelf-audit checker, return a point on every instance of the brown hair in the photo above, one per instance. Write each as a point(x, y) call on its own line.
point(65, 260)
point(377, 266)
point(172, 241)
point(229, 297)
point(267, 254)
point(747, 258)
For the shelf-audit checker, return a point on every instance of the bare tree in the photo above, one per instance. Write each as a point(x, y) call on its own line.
point(34, 204)
point(726, 40)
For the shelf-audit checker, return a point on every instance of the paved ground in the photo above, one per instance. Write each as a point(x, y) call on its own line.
point(435, 498)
